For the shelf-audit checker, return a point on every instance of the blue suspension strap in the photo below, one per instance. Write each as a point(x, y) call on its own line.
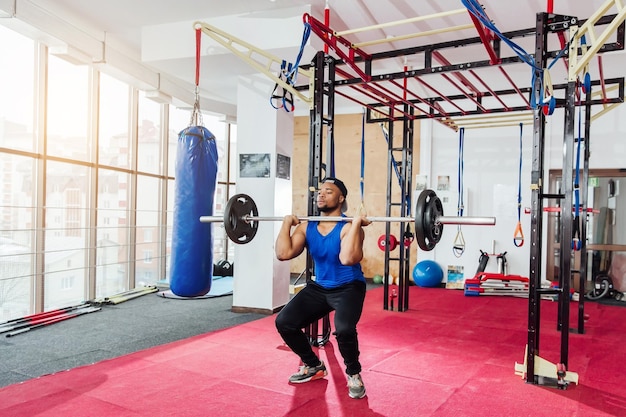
point(393, 160)
point(292, 74)
point(330, 171)
point(518, 235)
point(458, 247)
point(585, 87)
point(408, 237)
point(576, 244)
point(330, 150)
point(546, 99)
point(362, 210)
point(362, 154)
point(282, 98)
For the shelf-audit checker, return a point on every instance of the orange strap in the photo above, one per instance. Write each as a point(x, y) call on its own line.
point(518, 236)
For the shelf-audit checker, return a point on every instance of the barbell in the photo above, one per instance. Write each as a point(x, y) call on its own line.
point(241, 219)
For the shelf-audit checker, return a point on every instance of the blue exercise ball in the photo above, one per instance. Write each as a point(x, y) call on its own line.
point(427, 274)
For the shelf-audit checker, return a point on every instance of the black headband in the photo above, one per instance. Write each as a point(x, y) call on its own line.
point(339, 185)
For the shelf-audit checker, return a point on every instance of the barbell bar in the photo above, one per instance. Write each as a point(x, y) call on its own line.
point(476, 221)
point(241, 219)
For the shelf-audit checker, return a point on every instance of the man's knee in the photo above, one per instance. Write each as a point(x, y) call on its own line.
point(283, 324)
point(279, 322)
point(348, 333)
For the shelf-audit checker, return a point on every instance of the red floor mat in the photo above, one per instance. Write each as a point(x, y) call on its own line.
point(448, 355)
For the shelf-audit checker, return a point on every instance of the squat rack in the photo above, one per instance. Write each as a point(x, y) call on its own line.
point(391, 106)
point(392, 103)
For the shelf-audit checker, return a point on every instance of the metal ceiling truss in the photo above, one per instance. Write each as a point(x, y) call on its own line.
point(391, 94)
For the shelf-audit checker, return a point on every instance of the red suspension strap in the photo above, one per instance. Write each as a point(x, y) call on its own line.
point(327, 23)
point(198, 42)
point(336, 43)
point(404, 82)
point(196, 114)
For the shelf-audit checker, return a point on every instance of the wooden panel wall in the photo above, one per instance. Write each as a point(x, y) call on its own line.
point(348, 169)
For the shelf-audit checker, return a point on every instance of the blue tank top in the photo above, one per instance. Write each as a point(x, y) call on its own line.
point(329, 272)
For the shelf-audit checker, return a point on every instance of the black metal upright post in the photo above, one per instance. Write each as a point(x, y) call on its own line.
point(582, 270)
point(386, 283)
point(536, 216)
point(565, 257)
point(407, 201)
point(323, 93)
point(545, 24)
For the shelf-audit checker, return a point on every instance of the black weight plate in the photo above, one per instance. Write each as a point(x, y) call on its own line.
point(238, 229)
point(427, 230)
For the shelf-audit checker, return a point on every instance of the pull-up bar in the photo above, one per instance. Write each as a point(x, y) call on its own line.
point(400, 22)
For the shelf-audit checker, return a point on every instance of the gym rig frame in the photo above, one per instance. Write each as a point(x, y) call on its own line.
point(391, 108)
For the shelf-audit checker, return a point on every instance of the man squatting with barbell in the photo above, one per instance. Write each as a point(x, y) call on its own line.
point(337, 250)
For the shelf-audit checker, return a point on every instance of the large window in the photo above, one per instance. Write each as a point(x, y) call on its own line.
point(17, 91)
point(17, 174)
point(112, 232)
point(223, 247)
point(113, 128)
point(147, 250)
point(66, 234)
point(67, 110)
point(87, 182)
point(171, 187)
point(17, 237)
point(149, 136)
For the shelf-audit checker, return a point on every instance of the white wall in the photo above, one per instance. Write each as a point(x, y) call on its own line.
point(491, 160)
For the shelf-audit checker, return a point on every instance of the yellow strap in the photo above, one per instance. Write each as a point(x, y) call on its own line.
point(458, 247)
point(548, 89)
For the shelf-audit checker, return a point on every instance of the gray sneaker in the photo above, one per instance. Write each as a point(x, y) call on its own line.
point(308, 373)
point(356, 389)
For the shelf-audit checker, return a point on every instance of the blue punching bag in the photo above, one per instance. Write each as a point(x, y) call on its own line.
point(191, 270)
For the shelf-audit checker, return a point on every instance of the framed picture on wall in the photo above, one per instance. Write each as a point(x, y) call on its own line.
point(254, 165)
point(421, 183)
point(283, 167)
point(443, 183)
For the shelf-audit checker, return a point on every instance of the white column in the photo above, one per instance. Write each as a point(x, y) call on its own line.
point(261, 282)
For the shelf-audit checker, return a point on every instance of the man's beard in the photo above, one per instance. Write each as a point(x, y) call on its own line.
point(325, 209)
